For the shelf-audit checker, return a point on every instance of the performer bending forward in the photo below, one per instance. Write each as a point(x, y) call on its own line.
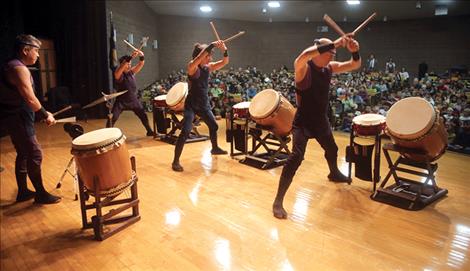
point(197, 101)
point(313, 70)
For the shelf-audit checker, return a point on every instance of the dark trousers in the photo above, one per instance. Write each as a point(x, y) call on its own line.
point(28, 153)
point(189, 114)
point(136, 107)
point(299, 143)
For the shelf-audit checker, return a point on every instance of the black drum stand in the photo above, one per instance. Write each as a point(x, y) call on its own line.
point(407, 193)
point(164, 118)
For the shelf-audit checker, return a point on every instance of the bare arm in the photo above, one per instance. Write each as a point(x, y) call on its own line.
point(193, 64)
point(122, 67)
point(20, 77)
point(300, 63)
point(213, 66)
point(350, 65)
point(139, 65)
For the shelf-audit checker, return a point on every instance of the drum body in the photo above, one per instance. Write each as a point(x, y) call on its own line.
point(368, 124)
point(176, 96)
point(160, 101)
point(269, 108)
point(414, 123)
point(102, 153)
point(241, 110)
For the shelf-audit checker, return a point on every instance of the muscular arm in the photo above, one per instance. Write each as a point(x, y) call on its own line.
point(350, 65)
point(20, 77)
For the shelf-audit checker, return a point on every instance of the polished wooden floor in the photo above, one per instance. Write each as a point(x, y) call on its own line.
point(216, 215)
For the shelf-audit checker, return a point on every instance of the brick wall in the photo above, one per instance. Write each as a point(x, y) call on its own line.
point(137, 18)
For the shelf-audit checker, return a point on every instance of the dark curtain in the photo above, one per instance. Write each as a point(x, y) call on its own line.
point(78, 29)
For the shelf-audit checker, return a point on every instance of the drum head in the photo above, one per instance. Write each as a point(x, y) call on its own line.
point(242, 105)
point(410, 118)
point(369, 119)
point(160, 98)
point(264, 103)
point(97, 138)
point(177, 93)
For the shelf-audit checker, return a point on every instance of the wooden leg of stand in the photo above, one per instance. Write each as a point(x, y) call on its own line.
point(83, 199)
point(134, 195)
point(97, 219)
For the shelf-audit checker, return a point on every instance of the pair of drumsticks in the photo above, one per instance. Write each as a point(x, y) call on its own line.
point(228, 39)
point(333, 25)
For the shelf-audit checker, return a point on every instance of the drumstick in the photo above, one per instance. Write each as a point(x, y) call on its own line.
point(62, 110)
point(71, 119)
point(215, 31)
point(72, 106)
point(130, 45)
point(364, 23)
point(234, 36)
point(332, 23)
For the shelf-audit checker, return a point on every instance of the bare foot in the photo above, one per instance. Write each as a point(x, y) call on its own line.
point(279, 212)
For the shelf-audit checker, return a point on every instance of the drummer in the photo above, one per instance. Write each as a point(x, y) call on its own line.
point(125, 80)
point(197, 101)
point(313, 70)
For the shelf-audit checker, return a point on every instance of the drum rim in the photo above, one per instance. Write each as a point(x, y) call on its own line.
point(185, 89)
point(418, 134)
point(163, 95)
point(274, 109)
point(97, 145)
point(381, 120)
point(248, 102)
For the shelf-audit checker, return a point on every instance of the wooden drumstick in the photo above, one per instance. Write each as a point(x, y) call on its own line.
point(364, 23)
point(130, 45)
point(215, 31)
point(332, 23)
point(234, 36)
point(62, 110)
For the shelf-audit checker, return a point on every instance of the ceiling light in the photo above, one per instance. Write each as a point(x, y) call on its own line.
point(264, 10)
point(274, 4)
point(353, 2)
point(205, 8)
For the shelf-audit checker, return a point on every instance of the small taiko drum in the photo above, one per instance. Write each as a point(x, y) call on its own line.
point(103, 154)
point(240, 110)
point(269, 108)
point(414, 123)
point(176, 96)
point(160, 101)
point(368, 124)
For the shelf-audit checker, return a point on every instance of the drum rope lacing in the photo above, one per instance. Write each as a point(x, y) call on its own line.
point(117, 189)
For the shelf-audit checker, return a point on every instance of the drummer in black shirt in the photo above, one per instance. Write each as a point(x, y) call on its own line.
point(197, 101)
point(313, 70)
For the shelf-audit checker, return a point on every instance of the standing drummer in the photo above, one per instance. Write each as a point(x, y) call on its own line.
point(125, 80)
point(313, 70)
point(197, 101)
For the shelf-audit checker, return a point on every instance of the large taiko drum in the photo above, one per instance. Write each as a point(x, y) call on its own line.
point(176, 96)
point(103, 153)
point(368, 124)
point(160, 101)
point(269, 108)
point(240, 110)
point(414, 123)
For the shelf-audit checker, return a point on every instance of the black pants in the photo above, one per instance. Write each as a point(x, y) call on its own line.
point(28, 152)
point(299, 143)
point(136, 107)
point(189, 114)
